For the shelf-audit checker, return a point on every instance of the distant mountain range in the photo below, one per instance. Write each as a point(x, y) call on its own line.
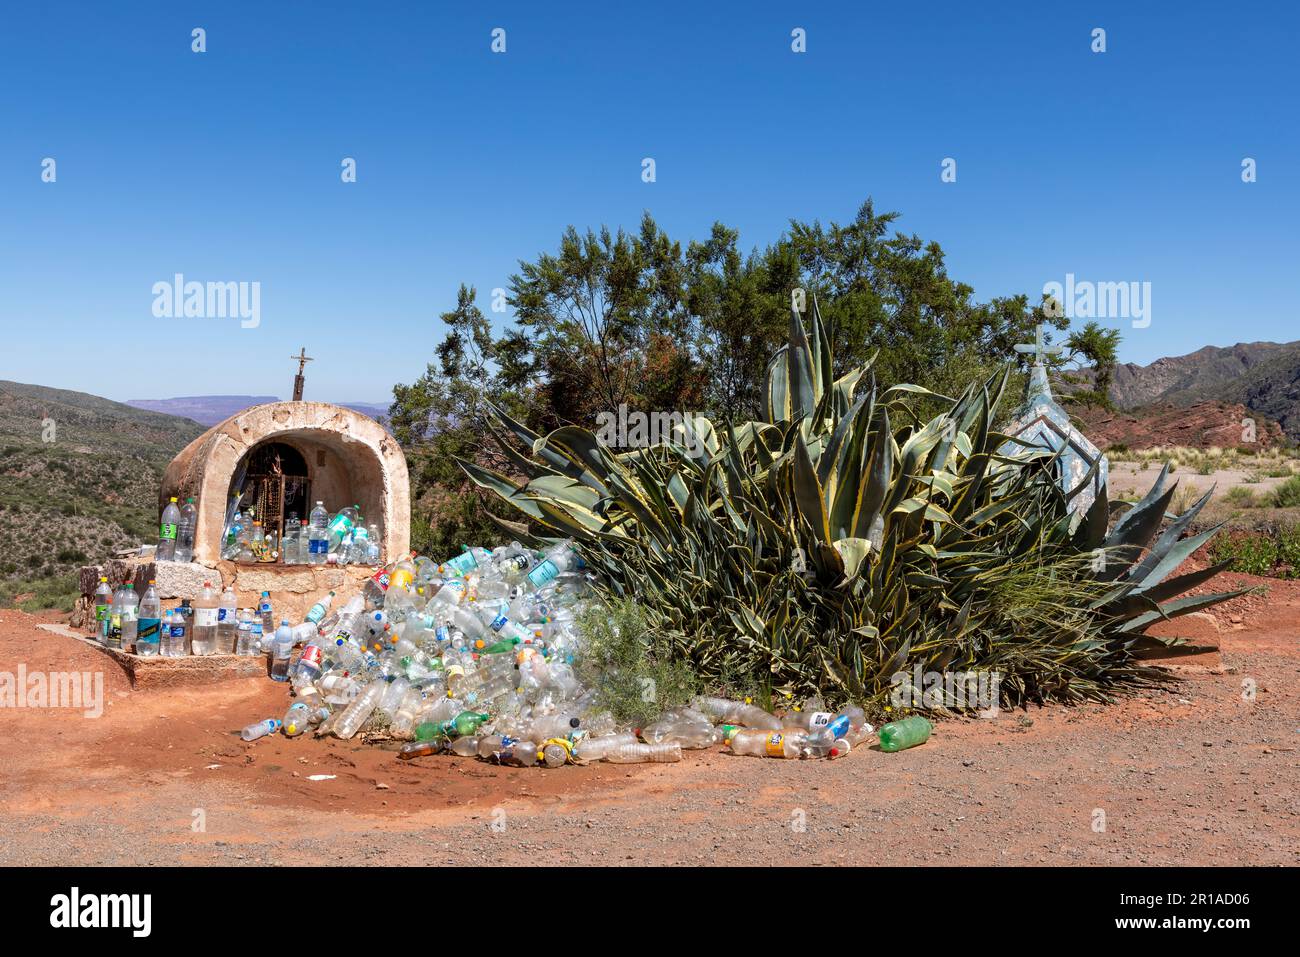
point(1262, 376)
point(211, 409)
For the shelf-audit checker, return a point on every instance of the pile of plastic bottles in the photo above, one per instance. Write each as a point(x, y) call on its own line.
point(475, 656)
point(342, 538)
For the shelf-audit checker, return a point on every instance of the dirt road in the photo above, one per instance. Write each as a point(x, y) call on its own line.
point(1198, 774)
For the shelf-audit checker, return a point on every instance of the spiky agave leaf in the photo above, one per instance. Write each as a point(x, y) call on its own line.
point(829, 546)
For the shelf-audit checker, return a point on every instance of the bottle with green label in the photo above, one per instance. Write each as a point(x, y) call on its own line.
point(171, 518)
point(908, 733)
point(103, 603)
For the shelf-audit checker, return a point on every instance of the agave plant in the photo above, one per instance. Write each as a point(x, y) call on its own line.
point(842, 540)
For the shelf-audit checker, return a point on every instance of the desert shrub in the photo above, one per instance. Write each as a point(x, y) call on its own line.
point(1287, 495)
point(1241, 497)
point(629, 664)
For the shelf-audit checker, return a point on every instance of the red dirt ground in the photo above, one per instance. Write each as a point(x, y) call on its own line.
point(1197, 774)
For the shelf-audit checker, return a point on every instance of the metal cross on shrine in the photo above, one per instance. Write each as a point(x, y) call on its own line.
point(299, 379)
point(1038, 349)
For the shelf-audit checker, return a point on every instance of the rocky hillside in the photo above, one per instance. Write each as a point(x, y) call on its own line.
point(1262, 376)
point(78, 479)
point(1203, 425)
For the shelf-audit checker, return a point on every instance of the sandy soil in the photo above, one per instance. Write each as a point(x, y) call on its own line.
point(1197, 774)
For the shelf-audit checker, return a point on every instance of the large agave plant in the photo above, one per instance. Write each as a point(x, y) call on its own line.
point(843, 539)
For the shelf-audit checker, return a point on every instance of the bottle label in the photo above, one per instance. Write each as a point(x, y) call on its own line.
point(546, 572)
point(819, 719)
point(400, 578)
point(319, 546)
point(499, 622)
point(178, 630)
point(101, 612)
point(775, 745)
point(464, 563)
point(115, 626)
point(149, 631)
point(265, 608)
point(441, 633)
point(311, 655)
point(205, 617)
point(380, 578)
point(167, 532)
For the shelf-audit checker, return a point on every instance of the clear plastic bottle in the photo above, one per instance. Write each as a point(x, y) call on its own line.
point(148, 636)
point(687, 727)
point(261, 729)
point(113, 638)
point(204, 640)
point(725, 711)
point(318, 535)
point(769, 744)
point(596, 746)
point(292, 541)
point(319, 610)
point(176, 641)
point(129, 618)
point(268, 616)
point(227, 625)
point(644, 753)
point(281, 652)
point(518, 754)
point(556, 561)
point(185, 531)
point(244, 643)
point(355, 715)
point(167, 527)
point(103, 609)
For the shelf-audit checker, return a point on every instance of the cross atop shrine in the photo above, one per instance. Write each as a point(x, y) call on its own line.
point(1038, 348)
point(299, 379)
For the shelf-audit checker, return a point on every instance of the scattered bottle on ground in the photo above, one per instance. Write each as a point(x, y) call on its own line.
point(908, 733)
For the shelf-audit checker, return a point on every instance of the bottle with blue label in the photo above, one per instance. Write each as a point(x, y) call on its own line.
point(264, 609)
point(318, 542)
point(558, 560)
point(148, 636)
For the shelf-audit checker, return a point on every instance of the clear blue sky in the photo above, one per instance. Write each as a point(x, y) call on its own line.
point(225, 165)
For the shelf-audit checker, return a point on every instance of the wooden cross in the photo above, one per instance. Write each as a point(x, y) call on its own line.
point(1038, 349)
point(299, 379)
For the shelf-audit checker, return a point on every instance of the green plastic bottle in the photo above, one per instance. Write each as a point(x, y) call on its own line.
point(464, 724)
point(501, 647)
point(908, 733)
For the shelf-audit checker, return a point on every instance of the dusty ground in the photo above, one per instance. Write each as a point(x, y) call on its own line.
point(1194, 775)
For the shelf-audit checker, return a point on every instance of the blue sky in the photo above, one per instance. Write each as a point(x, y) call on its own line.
point(225, 165)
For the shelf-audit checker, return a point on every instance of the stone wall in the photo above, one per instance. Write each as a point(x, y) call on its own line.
point(294, 588)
